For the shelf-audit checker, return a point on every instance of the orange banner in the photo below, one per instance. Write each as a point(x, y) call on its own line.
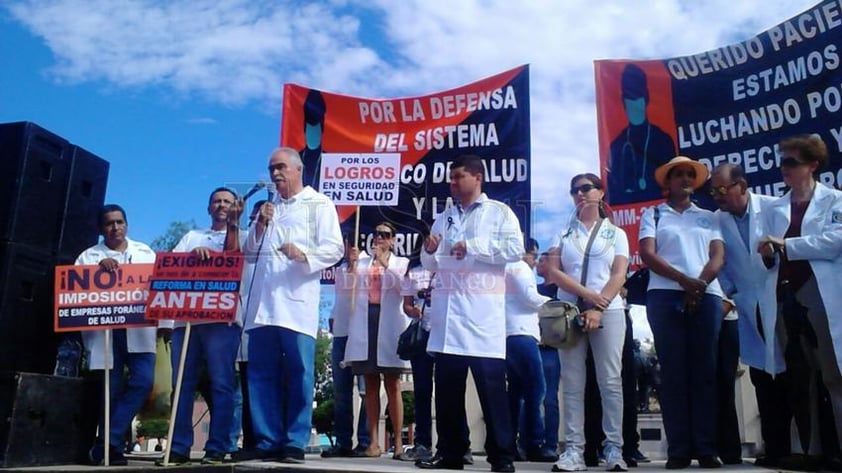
point(91, 298)
point(184, 287)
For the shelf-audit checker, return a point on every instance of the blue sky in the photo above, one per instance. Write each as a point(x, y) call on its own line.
point(184, 96)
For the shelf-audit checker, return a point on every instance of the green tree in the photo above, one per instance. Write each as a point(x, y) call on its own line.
point(153, 428)
point(408, 407)
point(170, 238)
point(323, 371)
point(322, 418)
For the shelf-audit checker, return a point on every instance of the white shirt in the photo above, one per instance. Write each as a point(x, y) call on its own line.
point(138, 340)
point(286, 292)
point(246, 288)
point(611, 241)
point(522, 301)
point(469, 313)
point(683, 240)
point(744, 278)
point(418, 279)
point(342, 289)
point(215, 240)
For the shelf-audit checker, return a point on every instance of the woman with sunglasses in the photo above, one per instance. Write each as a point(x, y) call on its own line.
point(592, 245)
point(377, 320)
point(804, 250)
point(683, 248)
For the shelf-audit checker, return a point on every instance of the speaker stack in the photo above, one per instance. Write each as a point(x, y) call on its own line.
point(50, 192)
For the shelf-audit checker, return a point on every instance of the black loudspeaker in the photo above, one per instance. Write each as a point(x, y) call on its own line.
point(34, 171)
point(27, 341)
point(41, 421)
point(85, 197)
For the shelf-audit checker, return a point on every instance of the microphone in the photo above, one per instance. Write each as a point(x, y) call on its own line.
point(259, 185)
point(270, 197)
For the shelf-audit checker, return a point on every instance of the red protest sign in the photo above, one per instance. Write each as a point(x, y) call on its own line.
point(88, 297)
point(185, 287)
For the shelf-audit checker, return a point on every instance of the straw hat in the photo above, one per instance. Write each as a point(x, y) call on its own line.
point(664, 169)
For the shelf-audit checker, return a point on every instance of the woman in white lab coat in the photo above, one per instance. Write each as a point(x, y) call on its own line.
point(804, 250)
point(377, 321)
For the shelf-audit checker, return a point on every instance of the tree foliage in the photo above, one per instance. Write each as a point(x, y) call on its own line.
point(153, 428)
point(323, 413)
point(172, 235)
point(323, 419)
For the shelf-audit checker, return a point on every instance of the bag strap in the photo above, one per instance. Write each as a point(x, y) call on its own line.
point(656, 213)
point(429, 289)
point(584, 279)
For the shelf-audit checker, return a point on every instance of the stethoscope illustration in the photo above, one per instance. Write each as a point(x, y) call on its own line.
point(641, 182)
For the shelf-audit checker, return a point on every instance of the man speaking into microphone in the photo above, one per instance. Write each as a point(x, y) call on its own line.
point(296, 235)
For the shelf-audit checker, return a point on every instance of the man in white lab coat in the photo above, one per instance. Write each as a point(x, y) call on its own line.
point(743, 278)
point(132, 348)
point(295, 237)
point(469, 246)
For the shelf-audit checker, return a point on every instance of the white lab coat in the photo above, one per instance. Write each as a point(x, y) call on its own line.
point(393, 320)
point(522, 301)
point(138, 340)
point(469, 314)
point(743, 279)
point(820, 243)
point(341, 312)
point(286, 293)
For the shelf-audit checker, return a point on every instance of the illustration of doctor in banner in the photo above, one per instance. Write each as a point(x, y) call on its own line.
point(639, 148)
point(314, 127)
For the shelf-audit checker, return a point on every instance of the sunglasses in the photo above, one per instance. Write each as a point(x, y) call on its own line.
point(383, 235)
point(721, 190)
point(584, 189)
point(791, 161)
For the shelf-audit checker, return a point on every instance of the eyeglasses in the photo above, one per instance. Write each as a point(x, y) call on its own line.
point(383, 235)
point(584, 189)
point(791, 161)
point(721, 190)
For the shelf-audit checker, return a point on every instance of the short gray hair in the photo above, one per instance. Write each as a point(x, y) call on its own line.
point(291, 152)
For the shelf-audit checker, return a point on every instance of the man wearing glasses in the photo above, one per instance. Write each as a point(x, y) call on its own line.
point(295, 237)
point(743, 277)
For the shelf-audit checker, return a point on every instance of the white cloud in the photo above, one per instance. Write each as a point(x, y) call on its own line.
point(202, 121)
point(238, 52)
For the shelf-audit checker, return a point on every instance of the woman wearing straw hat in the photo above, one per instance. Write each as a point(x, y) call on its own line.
point(682, 246)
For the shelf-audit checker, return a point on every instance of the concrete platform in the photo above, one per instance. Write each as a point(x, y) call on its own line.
point(315, 464)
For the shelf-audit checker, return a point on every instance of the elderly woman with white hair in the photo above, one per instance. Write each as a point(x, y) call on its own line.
point(683, 248)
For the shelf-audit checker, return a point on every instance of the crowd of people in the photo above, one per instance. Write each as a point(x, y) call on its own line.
point(753, 281)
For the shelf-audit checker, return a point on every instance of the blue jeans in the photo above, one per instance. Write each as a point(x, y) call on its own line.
point(343, 400)
point(422, 382)
point(237, 419)
point(687, 346)
point(216, 344)
point(126, 397)
point(552, 375)
point(281, 377)
point(525, 373)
